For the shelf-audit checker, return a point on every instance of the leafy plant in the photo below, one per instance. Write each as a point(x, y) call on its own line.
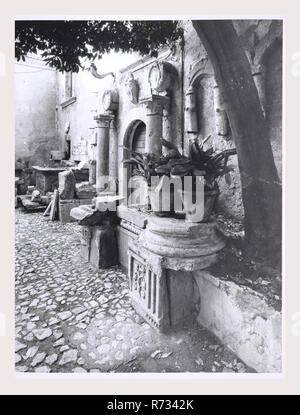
point(212, 165)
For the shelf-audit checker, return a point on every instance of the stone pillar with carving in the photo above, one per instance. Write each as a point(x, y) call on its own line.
point(191, 121)
point(154, 131)
point(102, 163)
point(221, 119)
point(167, 128)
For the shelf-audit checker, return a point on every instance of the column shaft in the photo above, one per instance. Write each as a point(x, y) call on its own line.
point(102, 166)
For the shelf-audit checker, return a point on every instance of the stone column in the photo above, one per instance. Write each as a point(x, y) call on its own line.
point(154, 128)
point(102, 160)
point(167, 128)
point(221, 119)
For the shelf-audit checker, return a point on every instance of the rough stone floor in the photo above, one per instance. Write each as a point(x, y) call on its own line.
point(72, 318)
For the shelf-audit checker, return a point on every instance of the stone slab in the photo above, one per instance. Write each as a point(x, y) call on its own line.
point(65, 207)
point(86, 215)
point(66, 184)
point(133, 216)
point(84, 190)
point(99, 246)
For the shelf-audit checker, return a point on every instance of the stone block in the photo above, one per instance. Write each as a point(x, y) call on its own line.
point(133, 216)
point(32, 206)
point(99, 246)
point(86, 215)
point(65, 207)
point(148, 289)
point(85, 201)
point(243, 320)
point(66, 185)
point(103, 253)
point(85, 190)
point(81, 175)
point(183, 298)
point(124, 236)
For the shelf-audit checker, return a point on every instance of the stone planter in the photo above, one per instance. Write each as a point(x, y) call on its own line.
point(164, 199)
point(159, 200)
point(193, 212)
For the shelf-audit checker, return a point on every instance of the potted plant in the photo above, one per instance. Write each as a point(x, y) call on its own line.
point(207, 164)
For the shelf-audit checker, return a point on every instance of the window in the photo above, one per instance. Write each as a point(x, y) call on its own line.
point(68, 92)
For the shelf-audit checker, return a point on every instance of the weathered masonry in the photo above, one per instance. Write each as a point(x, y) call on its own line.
point(174, 96)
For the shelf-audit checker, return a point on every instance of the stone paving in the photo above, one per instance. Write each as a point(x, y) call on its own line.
point(73, 318)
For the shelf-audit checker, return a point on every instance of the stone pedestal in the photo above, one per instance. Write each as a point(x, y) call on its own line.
point(132, 223)
point(92, 172)
point(99, 246)
point(102, 164)
point(47, 178)
point(161, 263)
point(154, 131)
point(66, 184)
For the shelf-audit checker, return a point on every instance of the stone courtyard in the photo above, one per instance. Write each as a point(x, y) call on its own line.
point(73, 318)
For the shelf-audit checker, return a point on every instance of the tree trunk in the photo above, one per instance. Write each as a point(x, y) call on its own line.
point(261, 187)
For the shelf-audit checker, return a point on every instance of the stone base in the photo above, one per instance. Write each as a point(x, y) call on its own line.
point(99, 246)
point(164, 297)
point(132, 222)
point(243, 321)
point(65, 207)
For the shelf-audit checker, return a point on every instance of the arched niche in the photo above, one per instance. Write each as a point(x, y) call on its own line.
point(135, 137)
point(204, 110)
point(203, 87)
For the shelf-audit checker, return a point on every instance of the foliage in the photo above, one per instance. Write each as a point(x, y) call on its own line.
point(212, 165)
point(63, 44)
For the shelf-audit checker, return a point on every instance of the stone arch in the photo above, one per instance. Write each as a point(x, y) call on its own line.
point(129, 134)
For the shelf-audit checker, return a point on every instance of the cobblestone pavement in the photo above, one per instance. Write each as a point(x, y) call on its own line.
point(73, 318)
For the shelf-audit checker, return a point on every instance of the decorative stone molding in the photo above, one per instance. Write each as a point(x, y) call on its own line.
point(154, 131)
point(94, 72)
point(132, 89)
point(160, 77)
point(103, 120)
point(191, 121)
point(110, 100)
point(148, 288)
point(102, 166)
point(182, 245)
point(156, 104)
point(221, 120)
point(161, 265)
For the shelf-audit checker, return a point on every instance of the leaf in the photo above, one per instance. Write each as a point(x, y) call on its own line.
point(168, 144)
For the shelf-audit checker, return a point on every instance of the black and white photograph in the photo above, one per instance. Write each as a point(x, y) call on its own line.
point(148, 195)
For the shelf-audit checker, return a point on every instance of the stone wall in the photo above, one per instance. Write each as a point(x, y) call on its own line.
point(262, 42)
point(243, 321)
point(76, 112)
point(35, 115)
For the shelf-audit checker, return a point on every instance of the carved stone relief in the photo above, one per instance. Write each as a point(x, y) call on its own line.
point(132, 89)
point(191, 122)
point(160, 77)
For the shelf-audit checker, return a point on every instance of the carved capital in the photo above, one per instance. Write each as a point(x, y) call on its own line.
point(104, 120)
point(156, 104)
